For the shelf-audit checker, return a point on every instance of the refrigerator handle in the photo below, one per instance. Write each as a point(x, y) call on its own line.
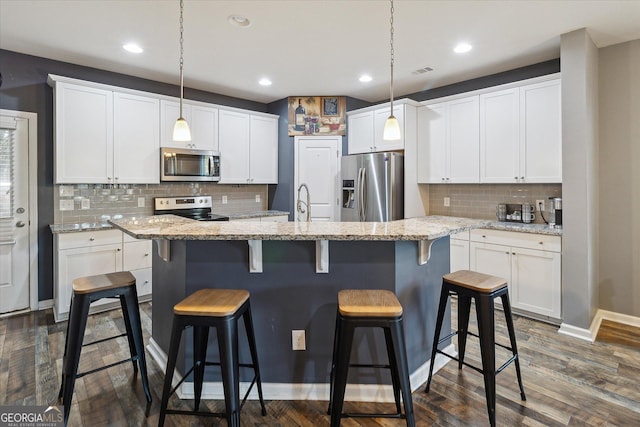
point(362, 191)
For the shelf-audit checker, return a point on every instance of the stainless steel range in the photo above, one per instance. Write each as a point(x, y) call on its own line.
point(194, 207)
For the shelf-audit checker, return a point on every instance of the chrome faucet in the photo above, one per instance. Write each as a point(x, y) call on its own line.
point(300, 203)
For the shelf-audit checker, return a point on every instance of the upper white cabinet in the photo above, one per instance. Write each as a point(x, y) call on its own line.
point(104, 136)
point(203, 123)
point(541, 132)
point(83, 126)
point(365, 128)
point(248, 148)
point(448, 141)
point(135, 139)
point(521, 134)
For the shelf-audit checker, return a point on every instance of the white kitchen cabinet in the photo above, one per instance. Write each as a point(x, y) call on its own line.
point(360, 132)
point(83, 131)
point(459, 251)
point(137, 258)
point(531, 263)
point(541, 132)
point(103, 136)
point(88, 253)
point(83, 254)
point(521, 135)
point(500, 136)
point(248, 148)
point(136, 139)
point(448, 142)
point(365, 128)
point(263, 150)
point(202, 120)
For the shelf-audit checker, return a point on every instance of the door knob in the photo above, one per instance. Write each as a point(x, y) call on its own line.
point(20, 224)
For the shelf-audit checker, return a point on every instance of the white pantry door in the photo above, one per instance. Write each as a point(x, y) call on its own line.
point(317, 164)
point(14, 213)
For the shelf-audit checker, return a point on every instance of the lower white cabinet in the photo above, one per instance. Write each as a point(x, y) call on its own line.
point(459, 251)
point(531, 263)
point(89, 253)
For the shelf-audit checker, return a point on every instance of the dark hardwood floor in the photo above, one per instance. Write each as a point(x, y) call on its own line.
point(568, 382)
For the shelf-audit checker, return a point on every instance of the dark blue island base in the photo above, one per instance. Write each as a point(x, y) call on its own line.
point(289, 295)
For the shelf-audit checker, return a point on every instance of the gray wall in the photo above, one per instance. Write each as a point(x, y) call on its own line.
point(579, 57)
point(619, 185)
point(24, 88)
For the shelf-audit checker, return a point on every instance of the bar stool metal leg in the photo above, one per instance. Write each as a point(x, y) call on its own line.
point(341, 369)
point(78, 314)
point(464, 309)
point(397, 336)
point(506, 306)
point(393, 363)
point(334, 357)
point(130, 340)
point(444, 296)
point(174, 344)
point(248, 326)
point(486, 333)
point(228, 347)
point(131, 298)
point(200, 338)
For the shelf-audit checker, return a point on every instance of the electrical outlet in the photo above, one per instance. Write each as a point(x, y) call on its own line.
point(224, 200)
point(141, 202)
point(85, 204)
point(66, 191)
point(66, 204)
point(298, 340)
point(540, 205)
point(257, 198)
point(447, 201)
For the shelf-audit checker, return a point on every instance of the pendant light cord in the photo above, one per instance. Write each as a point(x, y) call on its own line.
point(392, 58)
point(181, 57)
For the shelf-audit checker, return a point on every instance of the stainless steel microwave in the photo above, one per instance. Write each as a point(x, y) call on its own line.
point(177, 164)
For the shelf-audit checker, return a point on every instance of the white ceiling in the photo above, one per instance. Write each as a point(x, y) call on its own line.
point(308, 47)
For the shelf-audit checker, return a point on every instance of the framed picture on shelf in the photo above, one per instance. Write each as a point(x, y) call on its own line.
point(330, 106)
point(317, 115)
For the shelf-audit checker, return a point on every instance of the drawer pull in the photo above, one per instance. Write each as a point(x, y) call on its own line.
point(484, 237)
point(542, 243)
point(513, 253)
point(146, 282)
point(148, 254)
point(118, 250)
point(91, 239)
point(507, 252)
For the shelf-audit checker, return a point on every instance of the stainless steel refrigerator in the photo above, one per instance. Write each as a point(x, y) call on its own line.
point(372, 187)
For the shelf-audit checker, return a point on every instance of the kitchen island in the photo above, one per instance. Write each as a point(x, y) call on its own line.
point(294, 271)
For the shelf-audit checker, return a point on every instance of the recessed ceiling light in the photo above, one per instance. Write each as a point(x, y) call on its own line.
point(265, 82)
point(239, 21)
point(132, 47)
point(365, 78)
point(462, 48)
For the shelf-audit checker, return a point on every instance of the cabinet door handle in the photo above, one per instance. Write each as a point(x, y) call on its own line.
point(146, 281)
point(118, 250)
point(542, 243)
point(146, 254)
point(513, 253)
point(484, 237)
point(507, 252)
point(91, 239)
point(522, 178)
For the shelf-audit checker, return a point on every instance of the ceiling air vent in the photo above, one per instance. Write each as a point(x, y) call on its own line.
point(422, 70)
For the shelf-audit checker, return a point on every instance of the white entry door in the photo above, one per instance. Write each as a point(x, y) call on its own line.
point(15, 256)
point(317, 164)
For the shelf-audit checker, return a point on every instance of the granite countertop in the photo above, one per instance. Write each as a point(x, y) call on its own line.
point(95, 226)
point(524, 228)
point(171, 227)
point(255, 214)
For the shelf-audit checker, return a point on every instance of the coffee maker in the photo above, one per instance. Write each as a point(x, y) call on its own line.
point(555, 211)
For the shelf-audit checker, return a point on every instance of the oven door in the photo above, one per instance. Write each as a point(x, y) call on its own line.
point(189, 165)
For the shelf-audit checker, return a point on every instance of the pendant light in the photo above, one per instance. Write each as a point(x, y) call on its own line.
point(181, 130)
point(391, 127)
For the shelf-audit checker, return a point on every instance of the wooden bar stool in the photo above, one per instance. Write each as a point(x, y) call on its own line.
point(483, 288)
point(369, 309)
point(121, 285)
point(221, 309)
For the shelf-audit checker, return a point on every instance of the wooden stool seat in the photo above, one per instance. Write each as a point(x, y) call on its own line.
point(368, 303)
point(475, 281)
point(101, 282)
point(212, 302)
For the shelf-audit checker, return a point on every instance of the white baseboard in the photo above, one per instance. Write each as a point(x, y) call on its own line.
point(300, 391)
point(591, 333)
